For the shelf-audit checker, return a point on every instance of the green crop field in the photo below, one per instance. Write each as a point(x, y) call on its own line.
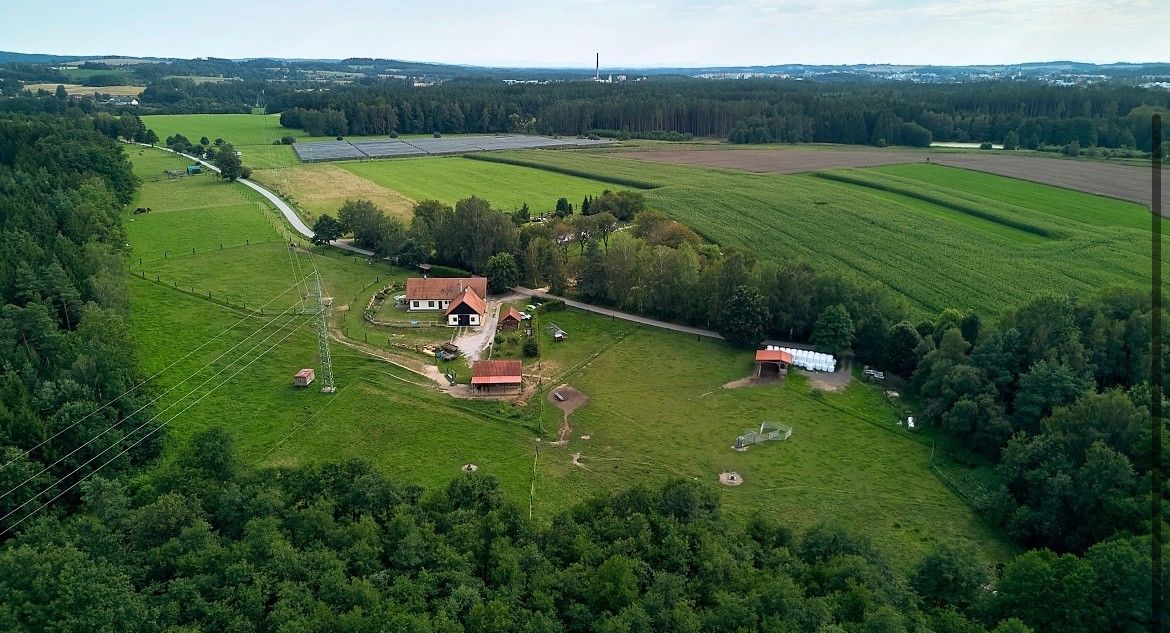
point(658, 407)
point(451, 178)
point(940, 237)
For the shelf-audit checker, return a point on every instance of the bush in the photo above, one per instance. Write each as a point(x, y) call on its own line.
point(394, 134)
point(985, 145)
point(530, 348)
point(287, 140)
point(552, 305)
point(340, 138)
point(437, 135)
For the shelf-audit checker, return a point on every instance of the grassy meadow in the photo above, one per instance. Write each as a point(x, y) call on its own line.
point(251, 134)
point(658, 407)
point(451, 178)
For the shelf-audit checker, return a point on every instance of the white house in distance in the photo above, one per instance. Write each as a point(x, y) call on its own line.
point(462, 299)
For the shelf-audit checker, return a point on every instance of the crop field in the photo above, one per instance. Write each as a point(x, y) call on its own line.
point(78, 90)
point(792, 160)
point(658, 408)
point(985, 242)
point(451, 178)
point(316, 189)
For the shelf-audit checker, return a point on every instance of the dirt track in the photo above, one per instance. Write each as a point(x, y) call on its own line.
point(1125, 182)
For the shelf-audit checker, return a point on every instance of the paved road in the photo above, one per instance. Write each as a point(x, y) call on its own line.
point(287, 211)
point(625, 316)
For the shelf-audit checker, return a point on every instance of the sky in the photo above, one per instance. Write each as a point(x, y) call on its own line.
point(634, 33)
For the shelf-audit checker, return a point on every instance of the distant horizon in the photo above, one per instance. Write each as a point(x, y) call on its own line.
point(695, 66)
point(640, 34)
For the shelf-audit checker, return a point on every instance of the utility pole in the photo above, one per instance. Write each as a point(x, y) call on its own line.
point(323, 304)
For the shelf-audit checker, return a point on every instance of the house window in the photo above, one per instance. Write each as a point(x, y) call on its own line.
point(415, 304)
point(430, 304)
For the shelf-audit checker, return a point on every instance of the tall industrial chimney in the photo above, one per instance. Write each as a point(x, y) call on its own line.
point(597, 72)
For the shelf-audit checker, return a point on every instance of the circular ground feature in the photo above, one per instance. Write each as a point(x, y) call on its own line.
point(572, 399)
point(470, 468)
point(730, 478)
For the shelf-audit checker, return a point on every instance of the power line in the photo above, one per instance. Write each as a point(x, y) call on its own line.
point(135, 387)
point(156, 399)
point(137, 442)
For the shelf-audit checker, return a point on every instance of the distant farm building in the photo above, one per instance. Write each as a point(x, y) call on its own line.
point(462, 299)
point(489, 375)
point(772, 363)
point(303, 377)
point(510, 320)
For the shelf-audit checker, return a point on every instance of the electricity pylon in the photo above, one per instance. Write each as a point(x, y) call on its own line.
point(323, 304)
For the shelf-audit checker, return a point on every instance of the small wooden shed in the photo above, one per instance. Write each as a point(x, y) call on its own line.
point(510, 320)
point(303, 377)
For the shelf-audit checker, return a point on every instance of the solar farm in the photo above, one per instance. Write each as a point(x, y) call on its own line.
point(395, 148)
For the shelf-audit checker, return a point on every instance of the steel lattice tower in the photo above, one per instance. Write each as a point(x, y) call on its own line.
point(323, 335)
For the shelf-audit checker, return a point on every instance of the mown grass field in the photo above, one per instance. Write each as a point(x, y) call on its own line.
point(451, 178)
point(78, 89)
point(658, 408)
point(251, 134)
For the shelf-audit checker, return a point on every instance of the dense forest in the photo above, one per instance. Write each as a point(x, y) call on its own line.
point(1024, 114)
point(65, 351)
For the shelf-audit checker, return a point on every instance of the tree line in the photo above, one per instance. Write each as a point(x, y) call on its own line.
point(65, 345)
point(1028, 114)
point(207, 543)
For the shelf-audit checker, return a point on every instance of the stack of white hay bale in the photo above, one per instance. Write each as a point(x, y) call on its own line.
point(806, 359)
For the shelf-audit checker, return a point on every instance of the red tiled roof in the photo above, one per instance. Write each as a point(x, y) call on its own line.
point(473, 301)
point(773, 356)
point(512, 313)
point(304, 373)
point(495, 372)
point(443, 288)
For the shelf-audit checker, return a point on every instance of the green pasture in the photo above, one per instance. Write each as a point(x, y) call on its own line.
point(658, 407)
point(251, 134)
point(451, 178)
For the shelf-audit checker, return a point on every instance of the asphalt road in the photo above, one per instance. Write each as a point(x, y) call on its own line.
point(625, 316)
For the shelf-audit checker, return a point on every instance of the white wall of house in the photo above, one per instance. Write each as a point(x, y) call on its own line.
point(428, 304)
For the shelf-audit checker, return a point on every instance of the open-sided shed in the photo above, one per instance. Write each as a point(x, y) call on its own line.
point(496, 374)
point(772, 362)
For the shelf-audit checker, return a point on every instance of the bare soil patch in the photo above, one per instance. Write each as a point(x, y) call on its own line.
point(730, 478)
point(753, 381)
point(781, 160)
point(573, 400)
point(318, 189)
point(1124, 182)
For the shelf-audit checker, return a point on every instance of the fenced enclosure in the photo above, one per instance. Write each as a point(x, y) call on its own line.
point(768, 432)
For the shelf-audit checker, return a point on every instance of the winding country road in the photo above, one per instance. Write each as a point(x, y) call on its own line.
point(287, 211)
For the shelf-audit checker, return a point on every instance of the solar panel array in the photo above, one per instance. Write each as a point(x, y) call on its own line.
point(389, 148)
point(329, 150)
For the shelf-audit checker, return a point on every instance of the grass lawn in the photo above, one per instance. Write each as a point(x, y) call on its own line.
point(251, 134)
point(451, 178)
